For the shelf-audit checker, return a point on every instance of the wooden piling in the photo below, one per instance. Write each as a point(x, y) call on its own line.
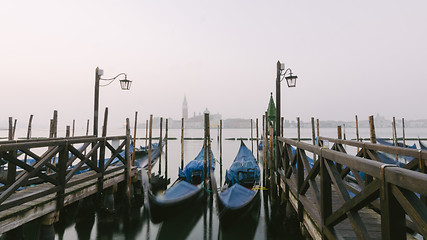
point(146, 133)
point(257, 142)
point(220, 152)
point(403, 132)
point(102, 157)
point(252, 137)
point(357, 131)
point(299, 129)
point(149, 147)
point(134, 139)
point(160, 145)
point(282, 126)
point(10, 136)
point(264, 147)
point(339, 131)
point(373, 137)
point(128, 164)
point(67, 131)
point(166, 149)
point(313, 136)
point(205, 149)
point(182, 143)
point(29, 127)
point(395, 135)
point(74, 127)
point(28, 134)
point(318, 131)
point(87, 128)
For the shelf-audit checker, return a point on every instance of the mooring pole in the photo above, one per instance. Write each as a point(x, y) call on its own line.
point(252, 137)
point(299, 129)
point(166, 150)
point(403, 132)
point(74, 127)
point(220, 152)
point(257, 141)
point(149, 148)
point(134, 139)
point(28, 133)
point(357, 131)
point(146, 133)
point(313, 136)
point(395, 136)
point(205, 150)
point(318, 132)
point(160, 146)
point(182, 143)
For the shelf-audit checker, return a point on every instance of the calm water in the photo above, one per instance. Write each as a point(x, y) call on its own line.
point(202, 221)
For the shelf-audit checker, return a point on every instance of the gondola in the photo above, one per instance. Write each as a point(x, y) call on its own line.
point(240, 192)
point(422, 145)
point(141, 155)
point(184, 193)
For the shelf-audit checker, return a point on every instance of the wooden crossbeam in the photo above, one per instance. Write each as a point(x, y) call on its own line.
point(354, 217)
point(25, 176)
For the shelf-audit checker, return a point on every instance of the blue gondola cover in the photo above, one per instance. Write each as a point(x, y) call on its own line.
point(244, 169)
point(194, 171)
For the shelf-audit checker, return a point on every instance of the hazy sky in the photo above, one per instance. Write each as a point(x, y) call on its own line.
point(351, 57)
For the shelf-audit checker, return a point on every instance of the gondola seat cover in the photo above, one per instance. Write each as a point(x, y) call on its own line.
point(244, 169)
point(236, 196)
point(194, 171)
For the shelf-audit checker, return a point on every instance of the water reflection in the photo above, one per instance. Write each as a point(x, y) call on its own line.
point(245, 227)
point(180, 226)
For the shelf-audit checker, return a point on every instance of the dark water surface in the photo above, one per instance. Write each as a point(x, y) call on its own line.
point(199, 222)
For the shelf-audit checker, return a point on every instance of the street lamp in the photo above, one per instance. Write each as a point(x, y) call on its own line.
point(291, 80)
point(125, 84)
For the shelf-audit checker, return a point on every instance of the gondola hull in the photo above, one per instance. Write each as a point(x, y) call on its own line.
point(171, 204)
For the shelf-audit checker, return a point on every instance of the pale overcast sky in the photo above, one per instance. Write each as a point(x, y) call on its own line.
point(351, 57)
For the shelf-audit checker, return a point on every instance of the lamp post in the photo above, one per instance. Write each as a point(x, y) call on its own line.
point(124, 83)
point(282, 73)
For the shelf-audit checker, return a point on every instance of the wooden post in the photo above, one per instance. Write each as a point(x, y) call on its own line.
point(67, 131)
point(87, 128)
point(55, 123)
point(166, 150)
point(264, 147)
point(205, 150)
point(146, 133)
point(11, 168)
point(343, 126)
point(395, 135)
point(357, 131)
point(160, 146)
point(318, 132)
point(339, 131)
point(283, 126)
point(182, 143)
point(134, 139)
point(403, 132)
point(372, 129)
point(14, 128)
point(313, 135)
point(393, 219)
point(101, 162)
point(373, 137)
point(29, 127)
point(252, 136)
point(257, 141)
point(339, 166)
point(74, 127)
point(273, 192)
point(325, 195)
point(28, 133)
point(220, 152)
point(149, 148)
point(128, 163)
point(299, 129)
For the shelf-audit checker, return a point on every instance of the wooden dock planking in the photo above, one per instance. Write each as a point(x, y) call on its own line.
point(16, 216)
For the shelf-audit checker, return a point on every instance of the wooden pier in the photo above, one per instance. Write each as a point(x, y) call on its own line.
point(340, 196)
point(63, 171)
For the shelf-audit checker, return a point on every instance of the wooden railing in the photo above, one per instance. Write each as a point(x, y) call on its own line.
point(393, 192)
point(57, 163)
